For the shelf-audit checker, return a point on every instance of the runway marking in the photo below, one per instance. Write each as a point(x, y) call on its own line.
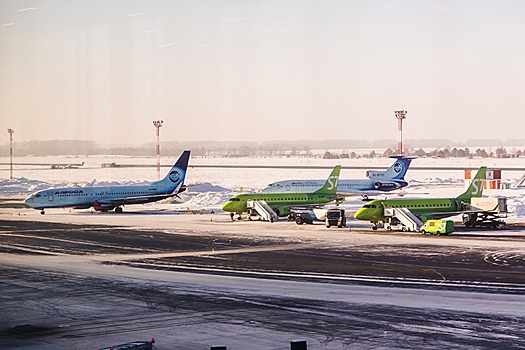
point(121, 257)
point(507, 258)
point(32, 250)
point(443, 278)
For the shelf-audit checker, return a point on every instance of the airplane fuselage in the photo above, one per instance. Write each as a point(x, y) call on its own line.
point(85, 197)
point(278, 202)
point(345, 186)
point(105, 198)
point(425, 208)
point(375, 210)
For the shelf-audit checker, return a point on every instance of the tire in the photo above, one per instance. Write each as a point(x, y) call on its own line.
point(404, 229)
point(374, 228)
point(389, 228)
point(424, 232)
point(299, 220)
point(118, 210)
point(438, 233)
point(327, 225)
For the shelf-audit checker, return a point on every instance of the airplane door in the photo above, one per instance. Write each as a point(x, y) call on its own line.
point(50, 196)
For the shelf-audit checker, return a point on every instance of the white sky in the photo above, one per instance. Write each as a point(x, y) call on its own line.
point(261, 70)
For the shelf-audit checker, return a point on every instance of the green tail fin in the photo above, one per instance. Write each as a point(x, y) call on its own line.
point(330, 186)
point(476, 186)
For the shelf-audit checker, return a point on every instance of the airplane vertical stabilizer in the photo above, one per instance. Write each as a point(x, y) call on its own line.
point(177, 174)
point(476, 186)
point(396, 171)
point(330, 186)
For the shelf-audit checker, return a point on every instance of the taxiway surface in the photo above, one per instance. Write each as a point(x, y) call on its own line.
point(85, 281)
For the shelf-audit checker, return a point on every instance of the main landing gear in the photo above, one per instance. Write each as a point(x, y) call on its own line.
point(42, 212)
point(118, 210)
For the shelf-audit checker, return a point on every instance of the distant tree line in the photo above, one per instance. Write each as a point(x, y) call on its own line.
point(447, 152)
point(235, 149)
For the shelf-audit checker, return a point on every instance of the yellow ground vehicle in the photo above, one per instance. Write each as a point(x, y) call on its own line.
point(438, 227)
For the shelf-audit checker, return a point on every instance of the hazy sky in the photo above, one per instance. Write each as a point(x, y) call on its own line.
point(261, 70)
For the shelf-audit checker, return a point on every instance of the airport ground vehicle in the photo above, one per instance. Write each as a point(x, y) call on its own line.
point(438, 227)
point(486, 213)
point(302, 215)
point(335, 217)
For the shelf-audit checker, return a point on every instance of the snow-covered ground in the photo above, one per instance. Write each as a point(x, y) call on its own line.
point(210, 187)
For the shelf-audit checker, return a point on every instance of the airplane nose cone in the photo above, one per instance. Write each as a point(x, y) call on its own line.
point(360, 214)
point(28, 201)
point(226, 206)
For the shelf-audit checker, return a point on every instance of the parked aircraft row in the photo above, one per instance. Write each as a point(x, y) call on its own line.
point(106, 198)
point(279, 196)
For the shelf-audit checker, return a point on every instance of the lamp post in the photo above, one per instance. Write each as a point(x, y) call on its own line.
point(158, 124)
point(11, 132)
point(400, 115)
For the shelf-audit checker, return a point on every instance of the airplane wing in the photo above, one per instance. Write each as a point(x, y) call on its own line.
point(143, 199)
point(367, 193)
point(136, 200)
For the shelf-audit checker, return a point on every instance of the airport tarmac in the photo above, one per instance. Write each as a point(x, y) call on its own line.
point(84, 281)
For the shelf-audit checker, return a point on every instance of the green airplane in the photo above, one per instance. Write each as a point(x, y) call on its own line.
point(281, 202)
point(424, 208)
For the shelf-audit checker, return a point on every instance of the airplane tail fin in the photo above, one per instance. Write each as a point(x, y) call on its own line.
point(177, 174)
point(330, 186)
point(396, 171)
point(476, 186)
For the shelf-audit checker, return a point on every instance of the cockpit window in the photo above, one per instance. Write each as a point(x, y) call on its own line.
point(369, 206)
point(233, 199)
point(37, 195)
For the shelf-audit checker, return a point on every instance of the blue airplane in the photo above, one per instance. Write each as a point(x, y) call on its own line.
point(378, 182)
point(106, 198)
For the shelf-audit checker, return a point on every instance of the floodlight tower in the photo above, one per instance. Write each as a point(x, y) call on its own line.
point(158, 124)
point(400, 115)
point(11, 132)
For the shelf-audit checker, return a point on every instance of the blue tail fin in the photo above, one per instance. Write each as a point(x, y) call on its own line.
point(396, 172)
point(177, 174)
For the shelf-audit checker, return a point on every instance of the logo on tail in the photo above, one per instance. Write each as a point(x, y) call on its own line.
point(175, 176)
point(332, 182)
point(476, 185)
point(398, 167)
point(330, 185)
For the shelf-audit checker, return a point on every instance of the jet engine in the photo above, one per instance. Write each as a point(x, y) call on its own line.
point(103, 206)
point(388, 185)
